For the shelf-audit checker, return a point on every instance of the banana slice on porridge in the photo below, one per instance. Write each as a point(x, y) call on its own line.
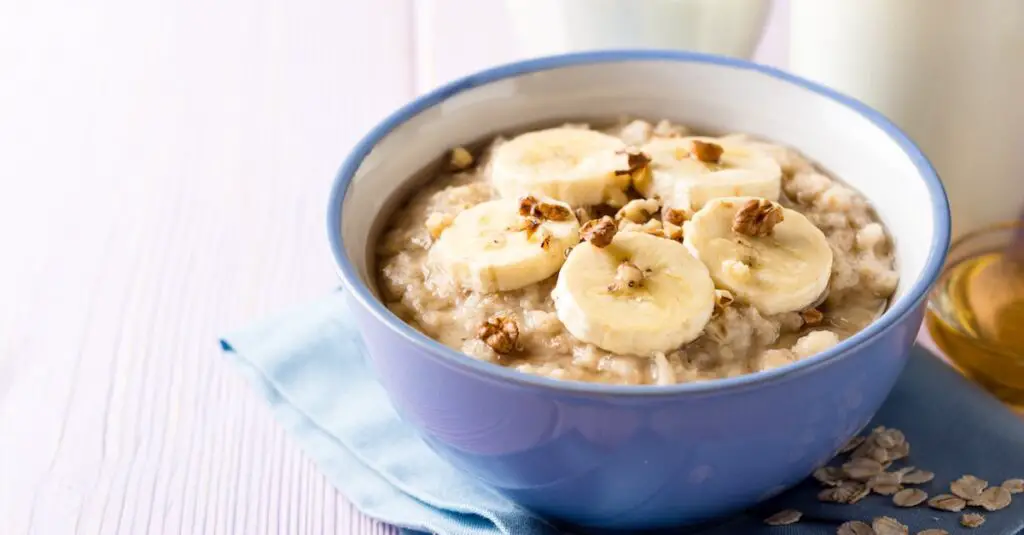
point(633, 293)
point(573, 165)
point(768, 256)
point(687, 172)
point(505, 244)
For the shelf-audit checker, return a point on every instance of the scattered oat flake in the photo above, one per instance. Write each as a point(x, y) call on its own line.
point(968, 487)
point(917, 477)
point(887, 525)
point(993, 499)
point(909, 497)
point(1015, 486)
point(851, 444)
point(947, 502)
point(862, 469)
point(855, 527)
point(847, 492)
point(933, 531)
point(886, 489)
point(900, 451)
point(784, 518)
point(971, 520)
point(890, 438)
point(830, 476)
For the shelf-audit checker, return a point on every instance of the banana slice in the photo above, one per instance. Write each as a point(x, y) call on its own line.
point(687, 172)
point(573, 165)
point(768, 256)
point(639, 295)
point(491, 247)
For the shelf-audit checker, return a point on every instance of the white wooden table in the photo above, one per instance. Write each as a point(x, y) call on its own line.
point(164, 166)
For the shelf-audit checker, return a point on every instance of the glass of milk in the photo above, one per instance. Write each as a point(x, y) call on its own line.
point(727, 27)
point(949, 72)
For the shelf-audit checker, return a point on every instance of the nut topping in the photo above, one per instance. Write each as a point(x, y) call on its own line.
point(529, 224)
point(529, 206)
point(812, 316)
point(757, 218)
point(460, 159)
point(599, 232)
point(639, 167)
point(676, 217)
point(501, 333)
point(706, 152)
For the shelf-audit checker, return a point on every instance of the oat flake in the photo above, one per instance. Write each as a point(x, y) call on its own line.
point(933, 531)
point(909, 497)
point(968, 487)
point(947, 502)
point(830, 476)
point(972, 520)
point(917, 477)
point(886, 525)
point(784, 518)
point(993, 499)
point(1015, 486)
point(847, 492)
point(862, 469)
point(855, 527)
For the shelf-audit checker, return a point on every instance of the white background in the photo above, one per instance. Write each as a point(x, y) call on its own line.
point(163, 174)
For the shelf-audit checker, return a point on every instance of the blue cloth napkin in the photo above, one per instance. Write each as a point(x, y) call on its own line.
point(308, 365)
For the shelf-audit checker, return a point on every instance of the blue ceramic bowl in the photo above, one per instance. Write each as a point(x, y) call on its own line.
point(640, 456)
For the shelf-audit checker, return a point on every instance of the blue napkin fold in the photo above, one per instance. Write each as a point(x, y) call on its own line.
point(308, 365)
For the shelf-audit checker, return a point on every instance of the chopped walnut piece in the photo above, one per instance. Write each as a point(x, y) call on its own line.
point(627, 275)
point(723, 298)
point(599, 232)
point(460, 159)
point(527, 224)
point(674, 234)
point(706, 152)
point(812, 316)
point(638, 168)
point(501, 333)
point(545, 243)
point(527, 205)
point(437, 222)
point(530, 206)
point(554, 212)
point(757, 218)
point(674, 216)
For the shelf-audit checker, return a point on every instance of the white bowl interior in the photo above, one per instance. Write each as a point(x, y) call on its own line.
point(713, 97)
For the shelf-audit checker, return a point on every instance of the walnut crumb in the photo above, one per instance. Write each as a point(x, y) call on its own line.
point(437, 222)
point(706, 152)
point(674, 216)
point(812, 316)
point(546, 243)
point(638, 168)
point(528, 224)
point(757, 218)
point(501, 333)
point(460, 159)
point(599, 232)
point(530, 206)
point(723, 298)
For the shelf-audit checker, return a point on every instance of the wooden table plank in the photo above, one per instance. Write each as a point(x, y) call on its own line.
point(164, 169)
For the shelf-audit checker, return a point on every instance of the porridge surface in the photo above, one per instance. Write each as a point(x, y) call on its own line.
point(737, 340)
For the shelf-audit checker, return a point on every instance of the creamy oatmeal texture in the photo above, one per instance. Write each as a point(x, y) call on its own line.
point(642, 188)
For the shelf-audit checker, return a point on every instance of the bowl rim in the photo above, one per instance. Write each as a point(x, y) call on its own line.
point(358, 290)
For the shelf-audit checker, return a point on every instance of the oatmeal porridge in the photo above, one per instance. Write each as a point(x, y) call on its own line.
point(635, 254)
